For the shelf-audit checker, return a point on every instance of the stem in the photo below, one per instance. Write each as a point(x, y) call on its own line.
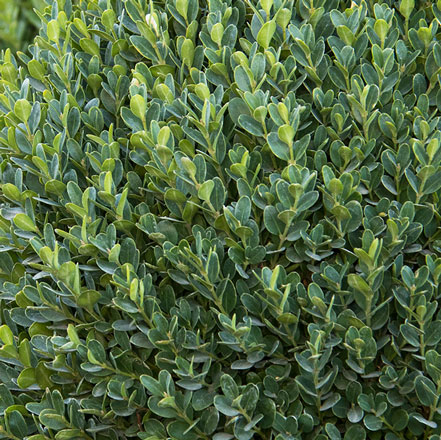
point(389, 426)
point(190, 422)
point(7, 435)
point(281, 242)
point(369, 312)
point(422, 348)
point(146, 318)
point(255, 428)
point(123, 373)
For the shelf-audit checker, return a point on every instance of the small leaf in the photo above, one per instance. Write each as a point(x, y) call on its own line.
point(22, 109)
point(24, 222)
point(266, 33)
point(152, 385)
point(426, 391)
point(138, 106)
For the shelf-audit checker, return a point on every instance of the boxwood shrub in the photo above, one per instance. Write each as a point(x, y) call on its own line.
point(221, 220)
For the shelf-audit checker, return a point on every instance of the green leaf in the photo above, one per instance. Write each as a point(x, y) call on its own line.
point(22, 109)
point(50, 419)
point(202, 399)
point(6, 335)
point(213, 267)
point(138, 106)
point(279, 148)
point(266, 33)
point(242, 79)
point(424, 421)
point(182, 7)
point(381, 28)
point(426, 391)
point(68, 434)
point(73, 335)
point(358, 283)
point(433, 183)
point(406, 7)
point(410, 334)
point(400, 419)
point(209, 421)
point(372, 422)
point(36, 69)
point(24, 222)
point(307, 200)
point(152, 385)
point(53, 30)
point(205, 190)
point(223, 405)
point(89, 46)
point(17, 424)
point(88, 298)
point(272, 223)
point(229, 387)
point(96, 352)
point(187, 52)
point(180, 430)
point(355, 432)
point(251, 125)
point(27, 378)
point(143, 46)
point(24, 352)
point(332, 431)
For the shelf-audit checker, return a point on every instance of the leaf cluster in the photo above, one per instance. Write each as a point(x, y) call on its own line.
point(221, 220)
point(18, 22)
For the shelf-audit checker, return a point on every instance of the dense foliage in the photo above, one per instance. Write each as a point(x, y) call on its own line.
point(221, 220)
point(18, 22)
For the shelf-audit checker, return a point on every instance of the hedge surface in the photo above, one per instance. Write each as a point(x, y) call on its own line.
point(18, 22)
point(221, 220)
